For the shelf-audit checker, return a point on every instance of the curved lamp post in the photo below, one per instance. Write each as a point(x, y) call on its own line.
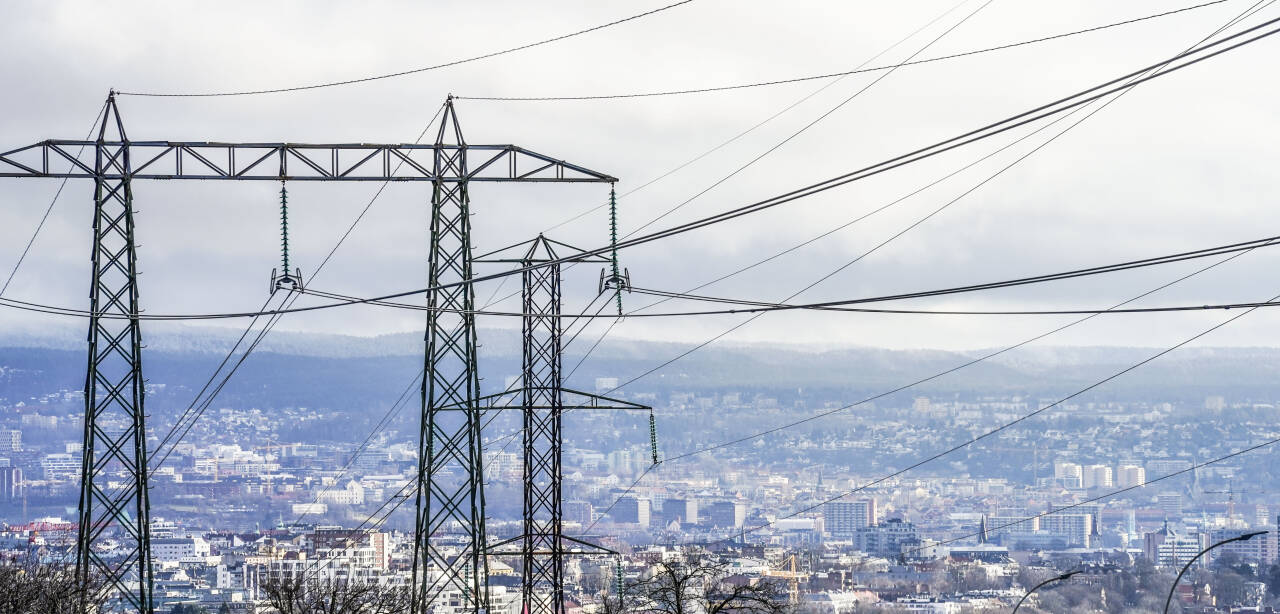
point(1037, 587)
point(1238, 538)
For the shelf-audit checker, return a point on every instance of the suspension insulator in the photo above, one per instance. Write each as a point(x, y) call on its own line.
point(653, 436)
point(613, 243)
point(621, 586)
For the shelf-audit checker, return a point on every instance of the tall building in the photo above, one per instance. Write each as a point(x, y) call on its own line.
point(888, 539)
point(1068, 474)
point(632, 510)
point(1253, 550)
point(727, 514)
point(1170, 503)
point(1128, 476)
point(844, 518)
point(577, 511)
point(1097, 476)
point(1166, 548)
point(1076, 529)
point(1000, 526)
point(10, 441)
point(10, 484)
point(683, 511)
point(621, 461)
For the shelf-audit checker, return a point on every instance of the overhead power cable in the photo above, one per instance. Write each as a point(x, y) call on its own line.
point(315, 86)
point(409, 489)
point(1134, 79)
point(757, 125)
point(781, 143)
point(809, 125)
point(49, 209)
point(1062, 105)
point(1244, 15)
point(394, 411)
point(756, 306)
point(1243, 38)
point(1020, 419)
point(855, 71)
point(977, 360)
point(917, 464)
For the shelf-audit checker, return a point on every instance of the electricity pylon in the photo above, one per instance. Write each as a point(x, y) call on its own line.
point(114, 442)
point(542, 404)
point(115, 434)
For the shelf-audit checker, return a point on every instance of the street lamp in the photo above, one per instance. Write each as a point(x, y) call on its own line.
point(1238, 538)
point(1037, 587)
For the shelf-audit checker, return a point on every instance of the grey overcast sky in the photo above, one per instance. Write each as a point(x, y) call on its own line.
point(1184, 162)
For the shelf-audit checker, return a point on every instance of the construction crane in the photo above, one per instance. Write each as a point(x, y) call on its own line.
point(1231, 496)
point(787, 571)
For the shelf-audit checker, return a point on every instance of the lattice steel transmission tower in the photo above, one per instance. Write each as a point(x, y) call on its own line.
point(114, 443)
point(115, 435)
point(541, 399)
point(450, 478)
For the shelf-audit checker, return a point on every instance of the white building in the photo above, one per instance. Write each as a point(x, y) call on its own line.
point(60, 466)
point(1070, 475)
point(1130, 475)
point(351, 494)
point(179, 549)
point(1076, 528)
point(1097, 476)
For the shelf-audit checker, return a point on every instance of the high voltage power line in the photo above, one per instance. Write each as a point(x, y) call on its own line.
point(757, 125)
point(980, 134)
point(1059, 106)
point(855, 71)
point(756, 306)
point(1205, 332)
point(1248, 12)
point(740, 168)
point(1133, 80)
point(327, 84)
point(983, 358)
point(388, 513)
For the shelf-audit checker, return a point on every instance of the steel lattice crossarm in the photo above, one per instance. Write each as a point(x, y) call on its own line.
point(293, 162)
point(511, 399)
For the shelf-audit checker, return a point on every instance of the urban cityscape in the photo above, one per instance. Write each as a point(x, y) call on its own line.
point(522, 388)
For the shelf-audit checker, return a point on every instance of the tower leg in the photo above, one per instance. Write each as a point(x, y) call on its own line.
point(115, 446)
point(449, 545)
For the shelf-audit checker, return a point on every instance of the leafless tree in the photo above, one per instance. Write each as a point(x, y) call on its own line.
point(297, 595)
point(29, 586)
point(699, 585)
